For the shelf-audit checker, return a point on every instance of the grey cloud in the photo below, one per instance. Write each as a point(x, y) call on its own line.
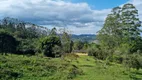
point(52, 12)
point(60, 13)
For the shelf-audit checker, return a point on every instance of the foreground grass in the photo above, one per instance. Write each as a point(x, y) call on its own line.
point(101, 70)
point(36, 68)
point(42, 68)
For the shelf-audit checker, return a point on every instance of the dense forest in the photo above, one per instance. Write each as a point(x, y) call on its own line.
point(27, 49)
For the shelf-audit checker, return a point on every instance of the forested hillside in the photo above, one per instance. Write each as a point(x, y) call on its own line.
point(84, 37)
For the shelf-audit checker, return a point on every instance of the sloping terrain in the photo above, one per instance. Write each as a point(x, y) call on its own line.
point(70, 68)
point(102, 70)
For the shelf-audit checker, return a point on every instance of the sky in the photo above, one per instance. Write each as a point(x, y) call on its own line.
point(78, 16)
point(101, 4)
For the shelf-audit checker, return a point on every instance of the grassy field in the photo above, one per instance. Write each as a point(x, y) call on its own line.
point(14, 67)
point(98, 70)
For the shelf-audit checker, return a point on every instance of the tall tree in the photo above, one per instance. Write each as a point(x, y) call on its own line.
point(110, 34)
point(131, 26)
point(131, 23)
point(53, 32)
point(122, 27)
point(66, 42)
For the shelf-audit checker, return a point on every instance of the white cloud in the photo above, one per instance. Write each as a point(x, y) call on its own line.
point(79, 17)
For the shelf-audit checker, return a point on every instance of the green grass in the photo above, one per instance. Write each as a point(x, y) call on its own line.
point(98, 70)
point(42, 68)
point(35, 68)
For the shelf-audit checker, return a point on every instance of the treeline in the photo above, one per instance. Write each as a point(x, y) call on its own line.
point(120, 38)
point(17, 37)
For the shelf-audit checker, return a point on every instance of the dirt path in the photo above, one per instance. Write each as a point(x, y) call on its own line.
point(82, 54)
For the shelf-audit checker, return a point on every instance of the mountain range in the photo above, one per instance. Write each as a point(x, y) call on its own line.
point(84, 37)
point(42, 30)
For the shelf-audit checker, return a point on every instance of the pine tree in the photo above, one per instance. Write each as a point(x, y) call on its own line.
point(131, 23)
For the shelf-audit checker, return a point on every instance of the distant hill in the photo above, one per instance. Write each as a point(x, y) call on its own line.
point(15, 23)
point(84, 37)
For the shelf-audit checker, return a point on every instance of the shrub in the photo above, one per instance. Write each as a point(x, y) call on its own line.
point(99, 53)
point(133, 61)
point(7, 74)
point(74, 71)
point(70, 57)
point(48, 44)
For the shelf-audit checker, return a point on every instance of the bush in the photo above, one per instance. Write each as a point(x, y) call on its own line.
point(7, 74)
point(74, 71)
point(99, 53)
point(48, 44)
point(133, 61)
point(70, 57)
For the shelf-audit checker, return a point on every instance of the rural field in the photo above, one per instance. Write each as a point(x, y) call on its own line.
point(70, 39)
point(70, 68)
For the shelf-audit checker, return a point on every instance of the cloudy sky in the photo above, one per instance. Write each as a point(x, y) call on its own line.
point(79, 16)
